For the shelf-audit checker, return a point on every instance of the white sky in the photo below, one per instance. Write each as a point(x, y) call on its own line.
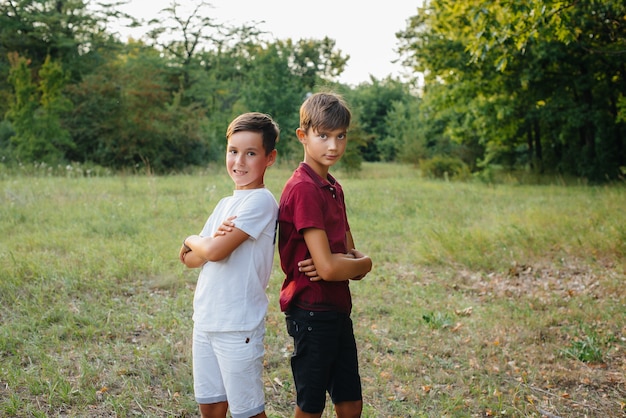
point(365, 32)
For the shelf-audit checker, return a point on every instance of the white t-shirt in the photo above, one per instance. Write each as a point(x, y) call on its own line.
point(230, 294)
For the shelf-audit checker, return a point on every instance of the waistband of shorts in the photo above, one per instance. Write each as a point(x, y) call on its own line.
point(321, 315)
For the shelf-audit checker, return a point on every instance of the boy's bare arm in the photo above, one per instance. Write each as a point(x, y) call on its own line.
point(218, 247)
point(334, 267)
point(202, 249)
point(350, 240)
point(354, 253)
point(308, 267)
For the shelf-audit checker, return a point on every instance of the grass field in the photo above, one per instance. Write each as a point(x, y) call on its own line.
point(485, 300)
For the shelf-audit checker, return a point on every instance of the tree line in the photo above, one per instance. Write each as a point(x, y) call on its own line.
point(539, 86)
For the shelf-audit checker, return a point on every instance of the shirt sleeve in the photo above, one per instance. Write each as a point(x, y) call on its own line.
point(256, 214)
point(308, 207)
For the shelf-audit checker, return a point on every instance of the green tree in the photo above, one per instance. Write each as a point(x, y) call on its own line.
point(24, 104)
point(181, 36)
point(315, 62)
point(535, 84)
point(373, 102)
point(125, 115)
point(36, 112)
point(230, 70)
point(68, 31)
point(271, 87)
point(280, 74)
point(163, 101)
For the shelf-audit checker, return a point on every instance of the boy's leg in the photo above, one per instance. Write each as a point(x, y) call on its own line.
point(301, 414)
point(240, 356)
point(213, 410)
point(349, 409)
point(208, 387)
point(313, 359)
point(345, 384)
point(218, 410)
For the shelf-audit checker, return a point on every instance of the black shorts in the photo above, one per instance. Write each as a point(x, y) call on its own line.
point(324, 358)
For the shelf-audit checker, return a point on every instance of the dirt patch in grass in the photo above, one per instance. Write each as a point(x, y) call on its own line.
point(559, 338)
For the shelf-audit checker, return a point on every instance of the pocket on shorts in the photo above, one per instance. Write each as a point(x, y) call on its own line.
point(296, 330)
point(293, 327)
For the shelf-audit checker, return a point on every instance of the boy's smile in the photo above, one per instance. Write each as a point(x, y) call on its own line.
point(246, 160)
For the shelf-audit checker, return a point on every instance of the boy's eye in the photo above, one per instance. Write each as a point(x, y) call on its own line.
point(251, 153)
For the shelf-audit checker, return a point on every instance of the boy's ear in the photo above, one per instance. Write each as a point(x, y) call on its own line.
point(301, 134)
point(271, 158)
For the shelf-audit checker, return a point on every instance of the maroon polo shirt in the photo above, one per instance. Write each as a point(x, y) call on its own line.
point(309, 201)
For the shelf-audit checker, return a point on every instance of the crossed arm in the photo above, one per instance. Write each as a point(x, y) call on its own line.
point(324, 265)
point(197, 250)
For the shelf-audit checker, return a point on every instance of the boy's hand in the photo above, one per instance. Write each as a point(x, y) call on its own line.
point(225, 227)
point(183, 252)
point(356, 254)
point(308, 268)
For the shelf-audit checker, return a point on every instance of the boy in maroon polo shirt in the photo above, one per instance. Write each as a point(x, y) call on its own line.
point(319, 259)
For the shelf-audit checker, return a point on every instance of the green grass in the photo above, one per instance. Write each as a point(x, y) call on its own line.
point(485, 300)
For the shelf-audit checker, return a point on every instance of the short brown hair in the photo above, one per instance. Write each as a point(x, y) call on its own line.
point(326, 111)
point(257, 122)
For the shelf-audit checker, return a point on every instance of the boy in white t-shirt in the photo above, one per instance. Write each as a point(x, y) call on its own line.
point(235, 251)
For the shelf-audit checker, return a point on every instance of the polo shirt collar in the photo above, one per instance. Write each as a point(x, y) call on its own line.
point(329, 181)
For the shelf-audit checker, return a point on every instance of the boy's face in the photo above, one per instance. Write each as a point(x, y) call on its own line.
point(246, 160)
point(323, 147)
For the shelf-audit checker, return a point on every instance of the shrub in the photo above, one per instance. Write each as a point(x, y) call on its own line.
point(441, 167)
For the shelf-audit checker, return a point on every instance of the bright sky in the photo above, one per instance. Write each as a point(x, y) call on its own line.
point(364, 31)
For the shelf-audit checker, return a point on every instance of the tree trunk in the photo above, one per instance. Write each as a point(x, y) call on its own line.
point(587, 131)
point(531, 151)
point(538, 149)
point(617, 133)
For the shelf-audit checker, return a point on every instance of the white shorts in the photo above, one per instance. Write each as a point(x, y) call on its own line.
point(228, 366)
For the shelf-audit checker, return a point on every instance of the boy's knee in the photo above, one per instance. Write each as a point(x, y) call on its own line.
point(349, 409)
